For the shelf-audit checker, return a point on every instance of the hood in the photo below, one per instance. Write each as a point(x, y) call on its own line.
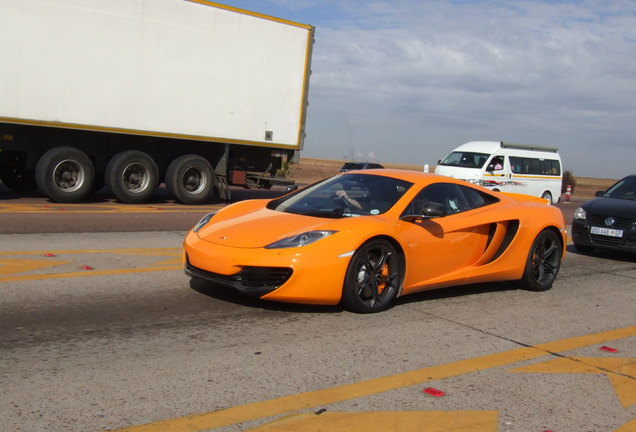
point(461, 173)
point(258, 228)
point(611, 207)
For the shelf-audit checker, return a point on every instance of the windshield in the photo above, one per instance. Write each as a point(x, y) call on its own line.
point(344, 196)
point(465, 159)
point(624, 189)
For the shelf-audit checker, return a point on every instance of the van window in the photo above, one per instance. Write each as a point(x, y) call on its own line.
point(522, 165)
point(465, 159)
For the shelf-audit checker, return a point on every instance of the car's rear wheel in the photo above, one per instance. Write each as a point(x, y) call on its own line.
point(373, 277)
point(543, 262)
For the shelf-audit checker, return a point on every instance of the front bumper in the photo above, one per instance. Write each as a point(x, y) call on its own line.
point(581, 235)
point(312, 274)
point(252, 281)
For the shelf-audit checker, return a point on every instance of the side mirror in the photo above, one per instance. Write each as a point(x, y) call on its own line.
point(430, 210)
point(490, 168)
point(290, 188)
point(433, 210)
point(599, 193)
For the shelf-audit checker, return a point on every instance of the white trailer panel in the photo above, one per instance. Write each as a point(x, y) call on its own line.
point(178, 68)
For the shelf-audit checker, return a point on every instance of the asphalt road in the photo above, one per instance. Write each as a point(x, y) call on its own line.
point(101, 330)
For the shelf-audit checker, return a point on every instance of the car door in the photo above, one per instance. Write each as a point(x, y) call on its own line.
point(441, 251)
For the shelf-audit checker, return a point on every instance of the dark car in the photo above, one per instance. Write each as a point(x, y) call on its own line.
point(352, 166)
point(609, 221)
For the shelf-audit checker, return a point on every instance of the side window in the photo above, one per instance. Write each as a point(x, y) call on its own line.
point(521, 165)
point(476, 198)
point(454, 198)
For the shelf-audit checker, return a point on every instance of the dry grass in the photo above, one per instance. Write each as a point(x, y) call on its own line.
point(309, 170)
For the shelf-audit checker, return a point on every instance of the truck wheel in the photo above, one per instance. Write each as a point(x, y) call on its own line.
point(13, 173)
point(65, 174)
point(190, 179)
point(132, 176)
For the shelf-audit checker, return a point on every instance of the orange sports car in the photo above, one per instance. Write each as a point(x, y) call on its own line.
point(364, 238)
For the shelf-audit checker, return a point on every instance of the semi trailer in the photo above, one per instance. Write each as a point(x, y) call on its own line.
point(130, 94)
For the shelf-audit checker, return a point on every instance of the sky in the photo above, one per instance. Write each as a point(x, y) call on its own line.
point(407, 81)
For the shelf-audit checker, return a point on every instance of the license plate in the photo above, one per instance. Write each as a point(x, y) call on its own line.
point(607, 232)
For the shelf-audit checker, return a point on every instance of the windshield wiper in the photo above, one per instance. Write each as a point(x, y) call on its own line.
point(328, 213)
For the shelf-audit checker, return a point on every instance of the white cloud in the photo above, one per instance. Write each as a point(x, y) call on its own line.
point(408, 80)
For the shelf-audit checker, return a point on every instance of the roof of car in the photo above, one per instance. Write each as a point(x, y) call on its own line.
point(408, 175)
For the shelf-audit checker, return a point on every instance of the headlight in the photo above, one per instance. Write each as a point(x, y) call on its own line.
point(203, 222)
point(580, 213)
point(300, 240)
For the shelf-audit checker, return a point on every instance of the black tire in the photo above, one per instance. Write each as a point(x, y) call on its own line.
point(65, 174)
point(13, 173)
point(547, 196)
point(374, 277)
point(132, 176)
point(190, 179)
point(543, 262)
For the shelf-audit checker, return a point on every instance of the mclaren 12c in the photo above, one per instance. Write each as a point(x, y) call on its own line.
point(363, 238)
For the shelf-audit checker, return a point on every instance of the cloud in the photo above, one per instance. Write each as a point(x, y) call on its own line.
point(410, 80)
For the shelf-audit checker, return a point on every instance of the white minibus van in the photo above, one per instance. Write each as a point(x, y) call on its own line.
point(507, 167)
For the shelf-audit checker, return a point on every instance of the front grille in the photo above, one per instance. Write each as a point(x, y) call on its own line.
point(606, 241)
point(260, 277)
point(256, 281)
point(618, 224)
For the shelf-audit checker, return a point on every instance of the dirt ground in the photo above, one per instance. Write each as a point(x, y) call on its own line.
point(309, 170)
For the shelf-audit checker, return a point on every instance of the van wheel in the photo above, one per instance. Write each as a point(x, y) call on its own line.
point(65, 174)
point(132, 176)
point(547, 196)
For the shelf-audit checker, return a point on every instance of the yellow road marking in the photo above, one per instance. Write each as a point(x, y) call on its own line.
point(9, 268)
point(86, 274)
point(629, 427)
point(13, 266)
point(387, 421)
point(316, 398)
point(621, 372)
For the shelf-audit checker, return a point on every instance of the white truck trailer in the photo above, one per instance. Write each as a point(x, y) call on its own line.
point(132, 93)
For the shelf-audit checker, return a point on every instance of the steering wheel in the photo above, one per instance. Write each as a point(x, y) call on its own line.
point(342, 202)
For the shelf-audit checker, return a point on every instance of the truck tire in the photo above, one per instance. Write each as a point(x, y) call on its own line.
point(190, 179)
point(14, 175)
point(132, 176)
point(65, 174)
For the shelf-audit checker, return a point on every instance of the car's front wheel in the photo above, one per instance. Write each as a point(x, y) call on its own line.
point(543, 262)
point(373, 278)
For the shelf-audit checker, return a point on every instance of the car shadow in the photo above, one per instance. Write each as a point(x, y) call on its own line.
point(604, 254)
point(456, 291)
point(229, 295)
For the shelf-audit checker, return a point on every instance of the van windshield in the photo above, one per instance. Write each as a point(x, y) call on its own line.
point(465, 159)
